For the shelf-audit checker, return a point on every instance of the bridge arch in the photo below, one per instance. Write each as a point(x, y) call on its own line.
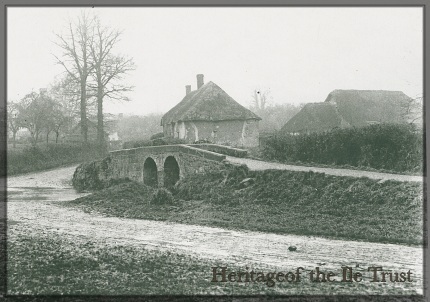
point(150, 174)
point(171, 171)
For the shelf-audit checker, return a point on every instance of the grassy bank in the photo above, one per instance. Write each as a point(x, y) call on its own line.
point(55, 264)
point(43, 157)
point(289, 202)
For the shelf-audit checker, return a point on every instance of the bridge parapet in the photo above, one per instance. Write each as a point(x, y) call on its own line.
point(172, 149)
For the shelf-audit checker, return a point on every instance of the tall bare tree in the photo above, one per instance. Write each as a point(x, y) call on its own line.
point(75, 58)
point(109, 70)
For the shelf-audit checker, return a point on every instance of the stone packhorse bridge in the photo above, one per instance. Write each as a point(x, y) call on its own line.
point(164, 165)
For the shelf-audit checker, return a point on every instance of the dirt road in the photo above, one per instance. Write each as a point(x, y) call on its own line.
point(263, 165)
point(33, 206)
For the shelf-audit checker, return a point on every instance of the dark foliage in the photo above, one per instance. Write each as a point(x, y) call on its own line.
point(32, 159)
point(162, 196)
point(158, 135)
point(203, 141)
point(391, 147)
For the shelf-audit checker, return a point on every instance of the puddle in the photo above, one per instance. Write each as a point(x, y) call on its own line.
point(17, 194)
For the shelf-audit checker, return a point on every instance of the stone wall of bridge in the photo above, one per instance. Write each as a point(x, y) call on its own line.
point(161, 165)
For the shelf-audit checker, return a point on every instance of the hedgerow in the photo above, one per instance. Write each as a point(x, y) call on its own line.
point(39, 158)
point(397, 148)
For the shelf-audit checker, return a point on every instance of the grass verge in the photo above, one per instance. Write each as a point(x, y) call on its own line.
point(63, 264)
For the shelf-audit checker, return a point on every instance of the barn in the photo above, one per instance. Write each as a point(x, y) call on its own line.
point(353, 108)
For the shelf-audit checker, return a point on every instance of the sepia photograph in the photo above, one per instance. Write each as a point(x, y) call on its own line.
point(215, 151)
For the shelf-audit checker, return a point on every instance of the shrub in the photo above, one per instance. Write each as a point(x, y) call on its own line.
point(203, 141)
point(158, 135)
point(384, 146)
point(136, 144)
point(162, 196)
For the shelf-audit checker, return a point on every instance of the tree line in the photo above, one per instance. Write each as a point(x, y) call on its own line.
point(93, 73)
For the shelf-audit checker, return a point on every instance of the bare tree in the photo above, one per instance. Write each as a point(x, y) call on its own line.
point(66, 93)
point(75, 59)
point(260, 99)
point(109, 70)
point(59, 120)
point(412, 109)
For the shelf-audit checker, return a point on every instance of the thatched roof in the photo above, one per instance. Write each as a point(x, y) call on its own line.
point(314, 117)
point(208, 103)
point(359, 107)
point(344, 108)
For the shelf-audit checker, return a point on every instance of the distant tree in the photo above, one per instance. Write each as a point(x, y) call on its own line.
point(412, 109)
point(76, 60)
point(109, 70)
point(260, 99)
point(58, 121)
point(35, 113)
point(13, 120)
point(65, 92)
point(139, 127)
point(273, 116)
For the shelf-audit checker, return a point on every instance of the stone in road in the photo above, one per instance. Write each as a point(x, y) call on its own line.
point(242, 247)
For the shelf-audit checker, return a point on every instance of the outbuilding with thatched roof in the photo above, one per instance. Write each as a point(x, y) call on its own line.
point(352, 108)
point(210, 114)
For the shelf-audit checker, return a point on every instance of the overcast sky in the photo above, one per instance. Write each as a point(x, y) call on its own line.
point(300, 54)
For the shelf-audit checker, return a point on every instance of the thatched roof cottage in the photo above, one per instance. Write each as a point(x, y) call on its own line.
point(210, 114)
point(351, 108)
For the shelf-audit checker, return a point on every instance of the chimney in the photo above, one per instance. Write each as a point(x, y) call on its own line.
point(187, 89)
point(200, 81)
